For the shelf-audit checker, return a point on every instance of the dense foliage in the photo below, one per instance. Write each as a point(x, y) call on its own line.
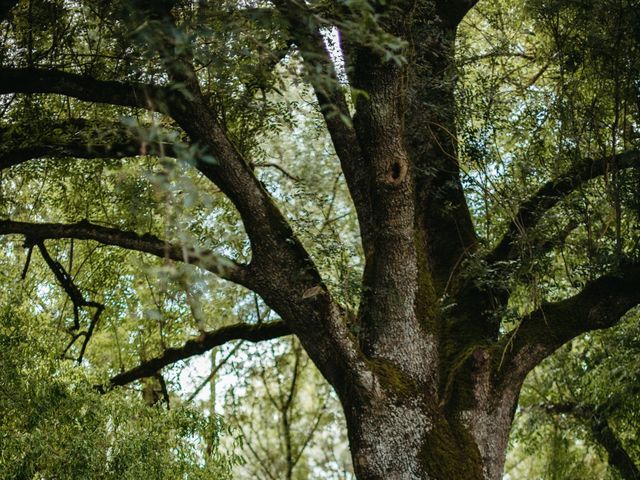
point(545, 136)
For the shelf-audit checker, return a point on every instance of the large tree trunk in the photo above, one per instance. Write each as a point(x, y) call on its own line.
point(434, 409)
point(399, 432)
point(428, 384)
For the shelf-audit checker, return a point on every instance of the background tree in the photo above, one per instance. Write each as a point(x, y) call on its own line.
point(585, 398)
point(289, 419)
point(475, 147)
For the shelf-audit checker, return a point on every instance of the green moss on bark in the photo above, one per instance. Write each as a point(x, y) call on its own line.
point(427, 303)
point(449, 452)
point(391, 378)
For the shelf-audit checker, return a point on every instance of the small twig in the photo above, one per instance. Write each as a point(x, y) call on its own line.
point(74, 337)
point(215, 370)
point(28, 261)
point(94, 322)
point(163, 388)
point(75, 295)
point(280, 168)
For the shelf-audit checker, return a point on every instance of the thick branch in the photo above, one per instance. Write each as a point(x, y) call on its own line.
point(552, 192)
point(83, 87)
point(84, 230)
point(601, 304)
point(446, 229)
point(618, 457)
point(77, 140)
point(283, 273)
point(454, 11)
point(17, 156)
point(197, 346)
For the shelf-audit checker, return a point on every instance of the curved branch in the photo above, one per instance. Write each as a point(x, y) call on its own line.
point(84, 230)
point(84, 87)
point(205, 342)
point(601, 304)
point(283, 271)
point(77, 141)
point(552, 192)
point(454, 11)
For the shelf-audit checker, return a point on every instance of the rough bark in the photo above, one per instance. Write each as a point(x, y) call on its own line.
point(399, 431)
point(428, 388)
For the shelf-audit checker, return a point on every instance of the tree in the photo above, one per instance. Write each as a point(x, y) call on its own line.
point(429, 353)
point(284, 410)
point(54, 424)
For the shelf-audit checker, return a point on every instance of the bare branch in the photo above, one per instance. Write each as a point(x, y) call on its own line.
point(197, 346)
point(76, 296)
point(215, 370)
point(278, 167)
point(84, 230)
point(552, 192)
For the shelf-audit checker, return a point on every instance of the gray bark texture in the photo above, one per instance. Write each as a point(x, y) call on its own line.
point(428, 383)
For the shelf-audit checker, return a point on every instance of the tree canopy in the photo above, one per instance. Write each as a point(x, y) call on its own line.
point(375, 218)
